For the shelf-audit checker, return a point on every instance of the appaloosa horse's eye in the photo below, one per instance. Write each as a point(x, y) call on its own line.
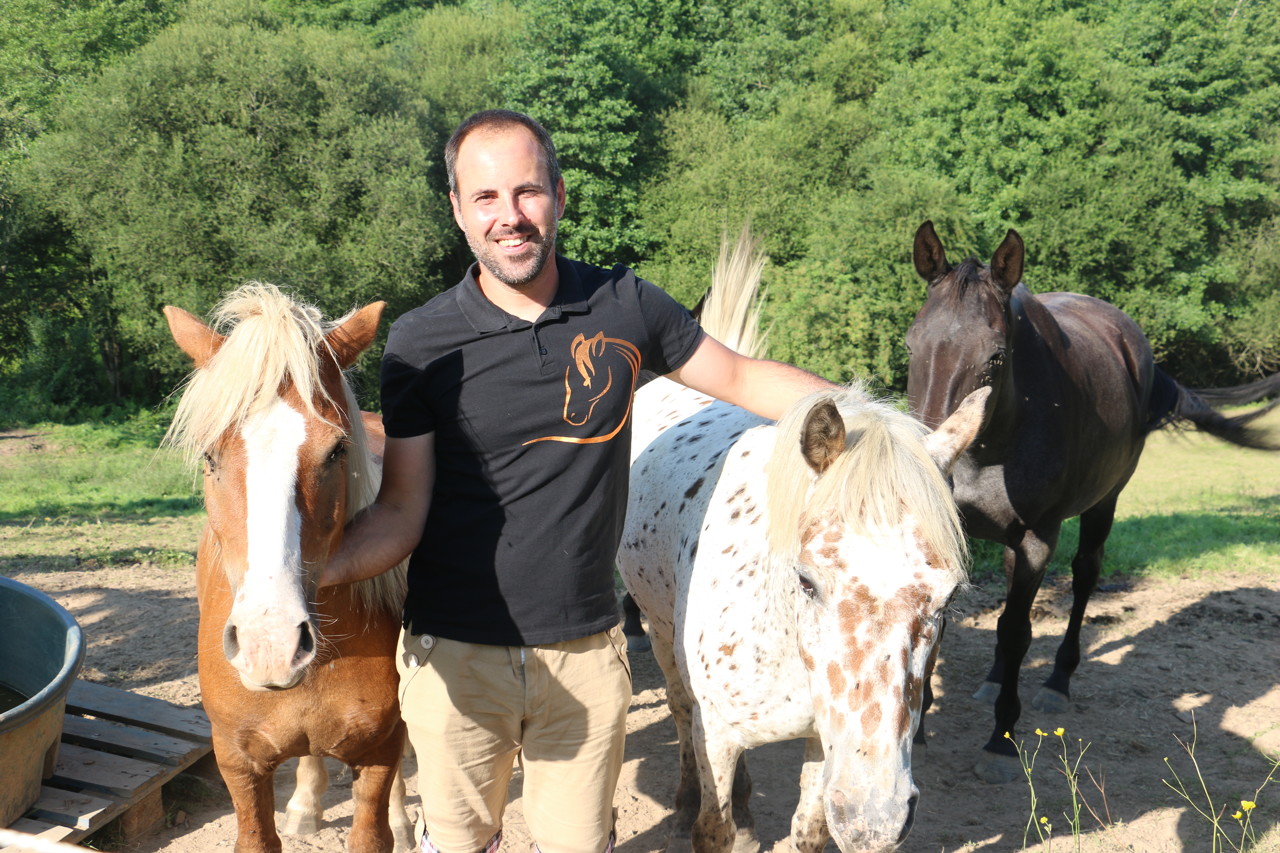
point(807, 587)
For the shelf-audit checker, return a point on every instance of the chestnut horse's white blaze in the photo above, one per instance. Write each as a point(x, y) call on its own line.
point(269, 615)
point(794, 577)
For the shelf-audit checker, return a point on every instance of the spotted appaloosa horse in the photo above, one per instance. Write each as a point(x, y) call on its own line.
point(1075, 392)
point(794, 578)
point(286, 670)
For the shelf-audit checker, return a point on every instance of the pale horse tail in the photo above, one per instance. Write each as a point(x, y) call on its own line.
point(730, 309)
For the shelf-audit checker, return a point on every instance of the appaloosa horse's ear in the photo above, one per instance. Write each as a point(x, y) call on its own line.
point(928, 254)
point(354, 334)
point(822, 439)
point(191, 335)
point(1006, 263)
point(954, 435)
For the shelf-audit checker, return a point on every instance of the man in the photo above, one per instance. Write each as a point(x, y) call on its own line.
point(511, 499)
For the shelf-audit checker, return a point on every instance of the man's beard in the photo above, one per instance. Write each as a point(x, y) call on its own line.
point(515, 272)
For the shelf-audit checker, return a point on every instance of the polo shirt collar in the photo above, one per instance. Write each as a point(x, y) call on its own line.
point(484, 316)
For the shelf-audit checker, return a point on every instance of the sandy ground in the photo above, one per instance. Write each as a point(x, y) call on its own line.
point(1159, 654)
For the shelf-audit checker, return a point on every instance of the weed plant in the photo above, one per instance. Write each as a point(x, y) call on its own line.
point(1232, 828)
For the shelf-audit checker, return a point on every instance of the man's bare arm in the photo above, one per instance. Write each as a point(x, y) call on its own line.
point(386, 531)
point(768, 388)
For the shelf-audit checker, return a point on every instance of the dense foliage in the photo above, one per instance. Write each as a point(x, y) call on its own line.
point(159, 152)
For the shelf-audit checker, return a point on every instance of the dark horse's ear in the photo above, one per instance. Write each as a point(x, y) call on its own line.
point(1006, 263)
point(928, 254)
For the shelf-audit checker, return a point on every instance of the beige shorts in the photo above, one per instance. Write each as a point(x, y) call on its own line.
point(472, 710)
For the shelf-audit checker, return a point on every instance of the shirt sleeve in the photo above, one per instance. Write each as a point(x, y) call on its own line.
point(674, 333)
point(405, 409)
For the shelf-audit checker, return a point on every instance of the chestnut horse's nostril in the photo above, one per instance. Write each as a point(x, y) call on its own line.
point(306, 644)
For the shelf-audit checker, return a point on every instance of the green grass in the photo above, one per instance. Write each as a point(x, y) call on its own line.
point(1195, 505)
point(106, 493)
point(95, 495)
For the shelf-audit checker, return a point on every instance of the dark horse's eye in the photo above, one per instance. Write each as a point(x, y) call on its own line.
point(807, 587)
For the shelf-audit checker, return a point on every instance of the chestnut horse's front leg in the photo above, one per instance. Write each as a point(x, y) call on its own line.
point(371, 795)
point(252, 790)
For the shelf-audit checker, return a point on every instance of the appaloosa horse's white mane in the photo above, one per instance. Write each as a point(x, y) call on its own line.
point(884, 475)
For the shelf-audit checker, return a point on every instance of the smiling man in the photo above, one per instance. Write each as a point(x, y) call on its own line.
point(506, 401)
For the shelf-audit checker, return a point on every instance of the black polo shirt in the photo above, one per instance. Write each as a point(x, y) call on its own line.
point(532, 426)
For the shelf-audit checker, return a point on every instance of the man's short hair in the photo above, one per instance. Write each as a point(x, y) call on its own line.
point(495, 120)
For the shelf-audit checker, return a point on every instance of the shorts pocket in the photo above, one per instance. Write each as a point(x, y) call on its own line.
point(414, 651)
point(619, 642)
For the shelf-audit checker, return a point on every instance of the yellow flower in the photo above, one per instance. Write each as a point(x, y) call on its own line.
point(1008, 736)
point(1044, 820)
point(1042, 734)
point(1059, 731)
point(1248, 805)
point(1237, 815)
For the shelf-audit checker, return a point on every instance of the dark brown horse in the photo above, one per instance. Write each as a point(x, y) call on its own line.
point(1075, 392)
point(285, 669)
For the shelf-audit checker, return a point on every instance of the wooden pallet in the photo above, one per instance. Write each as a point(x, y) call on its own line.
point(118, 750)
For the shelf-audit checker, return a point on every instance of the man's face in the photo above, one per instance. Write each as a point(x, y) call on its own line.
point(505, 203)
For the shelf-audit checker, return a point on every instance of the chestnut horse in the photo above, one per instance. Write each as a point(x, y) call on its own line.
point(794, 577)
point(1075, 392)
point(287, 670)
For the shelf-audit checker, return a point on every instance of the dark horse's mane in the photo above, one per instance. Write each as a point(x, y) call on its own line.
point(969, 274)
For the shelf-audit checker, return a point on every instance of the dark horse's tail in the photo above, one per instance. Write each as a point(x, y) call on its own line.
point(1238, 395)
point(1173, 405)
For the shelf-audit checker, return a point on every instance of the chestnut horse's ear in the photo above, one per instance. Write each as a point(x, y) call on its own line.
point(929, 256)
point(823, 437)
point(355, 334)
point(191, 335)
point(954, 435)
point(1006, 263)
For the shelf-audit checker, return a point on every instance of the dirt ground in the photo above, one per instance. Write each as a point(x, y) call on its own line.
point(1159, 654)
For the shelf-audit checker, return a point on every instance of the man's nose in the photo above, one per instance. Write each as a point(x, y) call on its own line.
point(509, 210)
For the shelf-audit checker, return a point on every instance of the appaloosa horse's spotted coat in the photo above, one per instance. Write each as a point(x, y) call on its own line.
point(794, 577)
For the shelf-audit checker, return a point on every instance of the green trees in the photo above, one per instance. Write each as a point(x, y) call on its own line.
point(1133, 147)
point(155, 151)
point(232, 147)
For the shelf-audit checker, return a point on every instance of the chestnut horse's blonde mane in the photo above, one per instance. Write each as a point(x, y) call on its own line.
point(272, 341)
point(883, 475)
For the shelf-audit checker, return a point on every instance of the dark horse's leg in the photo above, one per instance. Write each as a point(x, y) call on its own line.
point(1025, 560)
point(631, 625)
point(926, 702)
point(1095, 527)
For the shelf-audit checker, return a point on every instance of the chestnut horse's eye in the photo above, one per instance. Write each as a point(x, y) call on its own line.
point(339, 450)
point(210, 465)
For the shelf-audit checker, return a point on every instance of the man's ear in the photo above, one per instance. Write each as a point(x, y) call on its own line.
point(457, 211)
point(559, 198)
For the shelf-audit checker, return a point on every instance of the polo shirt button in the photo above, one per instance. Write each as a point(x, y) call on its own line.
point(613, 632)
point(542, 350)
point(428, 641)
